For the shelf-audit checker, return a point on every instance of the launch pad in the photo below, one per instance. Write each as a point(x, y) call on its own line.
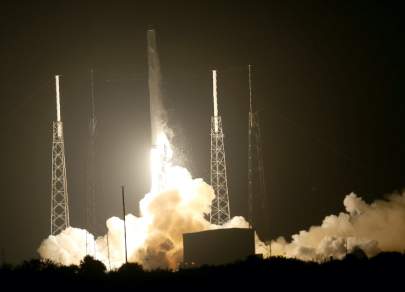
point(218, 247)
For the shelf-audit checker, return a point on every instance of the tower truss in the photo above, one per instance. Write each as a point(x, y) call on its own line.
point(220, 212)
point(256, 179)
point(59, 194)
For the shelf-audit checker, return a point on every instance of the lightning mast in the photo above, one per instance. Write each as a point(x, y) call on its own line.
point(220, 213)
point(91, 184)
point(59, 195)
point(256, 181)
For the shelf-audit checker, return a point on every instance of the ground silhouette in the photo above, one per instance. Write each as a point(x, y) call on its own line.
point(354, 272)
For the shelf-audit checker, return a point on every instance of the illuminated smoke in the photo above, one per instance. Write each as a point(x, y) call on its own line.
point(161, 155)
point(154, 239)
point(375, 227)
point(68, 247)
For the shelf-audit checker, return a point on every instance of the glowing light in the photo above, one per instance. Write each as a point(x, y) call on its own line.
point(160, 157)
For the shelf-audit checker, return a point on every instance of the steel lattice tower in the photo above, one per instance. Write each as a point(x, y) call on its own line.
point(256, 180)
point(220, 213)
point(91, 184)
point(59, 195)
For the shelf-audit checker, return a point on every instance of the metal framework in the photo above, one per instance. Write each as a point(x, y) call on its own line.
point(91, 184)
point(256, 180)
point(220, 212)
point(59, 200)
point(59, 195)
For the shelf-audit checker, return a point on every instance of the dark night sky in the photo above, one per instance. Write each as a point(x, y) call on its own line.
point(327, 80)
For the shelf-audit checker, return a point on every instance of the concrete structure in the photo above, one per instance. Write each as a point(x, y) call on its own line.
point(218, 247)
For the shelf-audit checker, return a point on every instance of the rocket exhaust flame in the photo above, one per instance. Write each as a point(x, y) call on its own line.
point(160, 160)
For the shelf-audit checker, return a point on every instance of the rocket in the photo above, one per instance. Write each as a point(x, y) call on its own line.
point(157, 111)
point(161, 152)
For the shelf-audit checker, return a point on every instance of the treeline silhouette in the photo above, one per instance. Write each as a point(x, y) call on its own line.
point(355, 271)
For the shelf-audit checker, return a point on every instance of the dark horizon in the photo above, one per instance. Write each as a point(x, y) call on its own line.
point(327, 79)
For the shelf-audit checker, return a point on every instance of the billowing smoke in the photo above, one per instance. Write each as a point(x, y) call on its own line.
point(375, 227)
point(154, 239)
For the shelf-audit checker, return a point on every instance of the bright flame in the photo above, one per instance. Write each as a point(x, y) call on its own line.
point(160, 157)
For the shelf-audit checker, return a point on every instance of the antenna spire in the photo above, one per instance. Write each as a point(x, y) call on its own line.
point(58, 118)
point(215, 99)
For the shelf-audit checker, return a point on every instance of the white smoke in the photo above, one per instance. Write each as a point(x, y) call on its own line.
point(154, 239)
point(375, 227)
point(68, 247)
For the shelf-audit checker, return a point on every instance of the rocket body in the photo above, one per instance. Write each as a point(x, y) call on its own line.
point(157, 111)
point(160, 152)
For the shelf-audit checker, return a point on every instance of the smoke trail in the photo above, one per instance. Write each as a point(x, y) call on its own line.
point(375, 227)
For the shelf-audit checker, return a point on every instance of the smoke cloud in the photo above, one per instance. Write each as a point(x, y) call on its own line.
point(375, 227)
point(154, 239)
